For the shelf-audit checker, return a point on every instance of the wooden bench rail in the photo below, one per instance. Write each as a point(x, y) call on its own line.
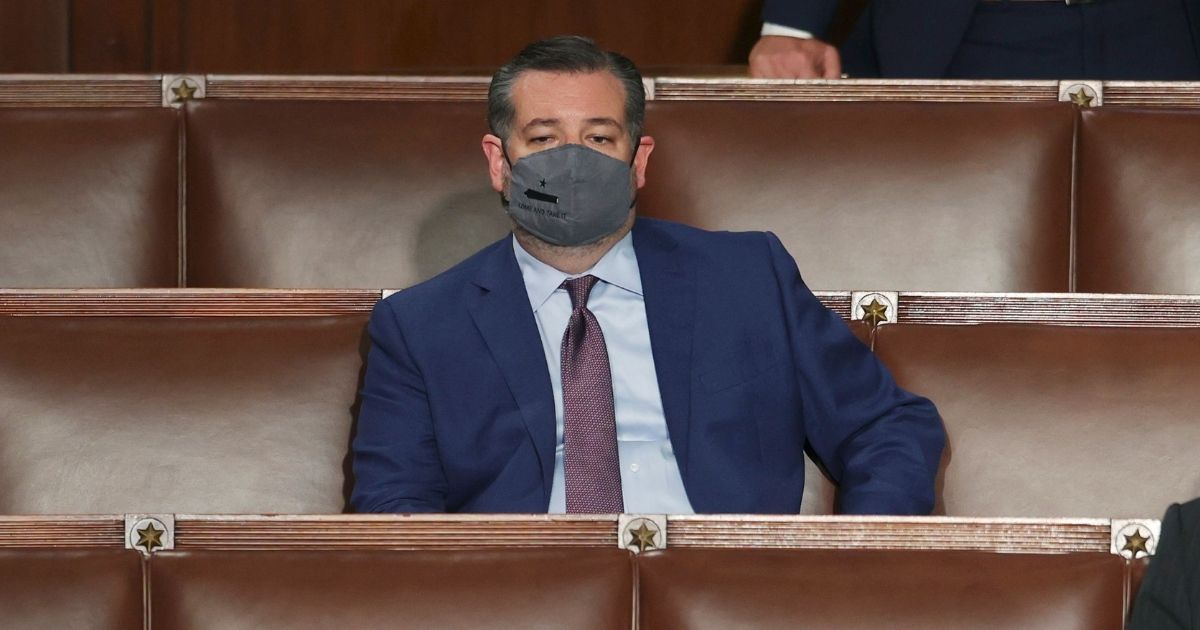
point(157, 90)
point(1068, 309)
point(445, 531)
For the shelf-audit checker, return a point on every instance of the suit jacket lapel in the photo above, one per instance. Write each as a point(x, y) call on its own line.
point(502, 314)
point(668, 285)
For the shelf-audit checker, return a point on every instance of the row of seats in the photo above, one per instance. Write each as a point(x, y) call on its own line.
point(557, 588)
point(955, 197)
point(251, 414)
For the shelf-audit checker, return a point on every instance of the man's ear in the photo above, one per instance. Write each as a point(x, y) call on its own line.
point(644, 148)
point(493, 150)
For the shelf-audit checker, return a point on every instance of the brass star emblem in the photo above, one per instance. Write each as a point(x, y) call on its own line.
point(1081, 98)
point(874, 313)
point(643, 538)
point(1135, 543)
point(185, 91)
point(150, 537)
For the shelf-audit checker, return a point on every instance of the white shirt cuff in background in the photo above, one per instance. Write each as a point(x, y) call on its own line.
point(784, 31)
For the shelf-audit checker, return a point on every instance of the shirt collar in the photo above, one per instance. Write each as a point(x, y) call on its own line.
point(617, 267)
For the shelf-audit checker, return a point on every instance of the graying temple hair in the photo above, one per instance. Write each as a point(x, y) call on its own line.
point(567, 53)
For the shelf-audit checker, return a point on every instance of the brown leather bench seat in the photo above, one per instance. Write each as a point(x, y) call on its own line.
point(682, 587)
point(160, 414)
point(557, 580)
point(89, 198)
point(843, 590)
point(935, 197)
point(1047, 420)
point(254, 413)
point(866, 195)
point(518, 588)
point(87, 589)
point(335, 195)
point(1139, 214)
point(904, 196)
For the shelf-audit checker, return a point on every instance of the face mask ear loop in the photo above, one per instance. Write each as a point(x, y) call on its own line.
point(504, 152)
point(636, 143)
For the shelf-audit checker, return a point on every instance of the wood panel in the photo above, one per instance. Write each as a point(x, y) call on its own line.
point(166, 39)
point(498, 531)
point(225, 302)
point(481, 531)
point(1063, 309)
point(34, 36)
point(369, 36)
point(110, 36)
point(391, 36)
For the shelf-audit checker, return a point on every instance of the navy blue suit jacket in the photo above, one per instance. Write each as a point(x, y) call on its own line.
point(457, 413)
point(1169, 598)
point(899, 38)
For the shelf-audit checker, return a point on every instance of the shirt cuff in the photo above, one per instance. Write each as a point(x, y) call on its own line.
point(778, 30)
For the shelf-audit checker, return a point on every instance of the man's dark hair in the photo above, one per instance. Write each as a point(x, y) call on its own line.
point(567, 53)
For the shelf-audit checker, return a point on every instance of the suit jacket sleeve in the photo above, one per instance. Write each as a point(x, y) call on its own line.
point(813, 16)
point(397, 467)
point(1163, 601)
point(882, 444)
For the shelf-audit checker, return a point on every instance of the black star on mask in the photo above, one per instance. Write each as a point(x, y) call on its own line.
point(542, 183)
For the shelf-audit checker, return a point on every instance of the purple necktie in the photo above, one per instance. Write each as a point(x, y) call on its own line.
point(593, 469)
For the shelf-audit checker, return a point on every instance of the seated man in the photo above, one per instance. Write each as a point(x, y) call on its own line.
point(1132, 40)
point(599, 362)
point(1169, 598)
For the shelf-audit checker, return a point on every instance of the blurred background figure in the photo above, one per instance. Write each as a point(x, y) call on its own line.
point(984, 39)
point(1170, 595)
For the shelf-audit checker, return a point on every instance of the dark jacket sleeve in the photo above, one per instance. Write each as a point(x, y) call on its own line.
point(882, 444)
point(397, 467)
point(813, 16)
point(1168, 596)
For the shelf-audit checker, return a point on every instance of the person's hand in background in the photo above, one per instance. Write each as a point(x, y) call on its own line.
point(778, 57)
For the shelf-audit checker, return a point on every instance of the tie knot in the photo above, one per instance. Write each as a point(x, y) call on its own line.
point(579, 289)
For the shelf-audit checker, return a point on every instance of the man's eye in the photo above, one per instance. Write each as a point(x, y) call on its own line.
point(541, 140)
point(601, 139)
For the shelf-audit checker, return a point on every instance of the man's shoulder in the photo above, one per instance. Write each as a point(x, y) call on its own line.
point(697, 239)
point(752, 265)
point(1189, 516)
point(738, 255)
point(447, 288)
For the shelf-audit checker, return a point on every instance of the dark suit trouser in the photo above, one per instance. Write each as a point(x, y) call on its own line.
point(1107, 39)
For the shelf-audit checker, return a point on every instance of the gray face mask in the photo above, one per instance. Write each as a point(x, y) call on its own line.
point(570, 195)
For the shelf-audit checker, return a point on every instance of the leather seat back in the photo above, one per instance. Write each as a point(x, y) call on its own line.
point(525, 588)
point(335, 195)
point(1139, 218)
point(903, 196)
point(111, 415)
point(1057, 421)
point(94, 589)
point(89, 198)
point(861, 590)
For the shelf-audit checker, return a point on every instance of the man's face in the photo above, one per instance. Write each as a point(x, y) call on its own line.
point(555, 109)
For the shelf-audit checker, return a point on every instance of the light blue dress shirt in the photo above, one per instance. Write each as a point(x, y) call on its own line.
point(650, 480)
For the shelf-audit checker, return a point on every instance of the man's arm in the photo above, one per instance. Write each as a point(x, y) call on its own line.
point(789, 48)
point(396, 462)
point(882, 444)
point(1162, 602)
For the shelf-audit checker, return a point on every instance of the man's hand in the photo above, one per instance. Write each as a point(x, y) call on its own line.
point(775, 57)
